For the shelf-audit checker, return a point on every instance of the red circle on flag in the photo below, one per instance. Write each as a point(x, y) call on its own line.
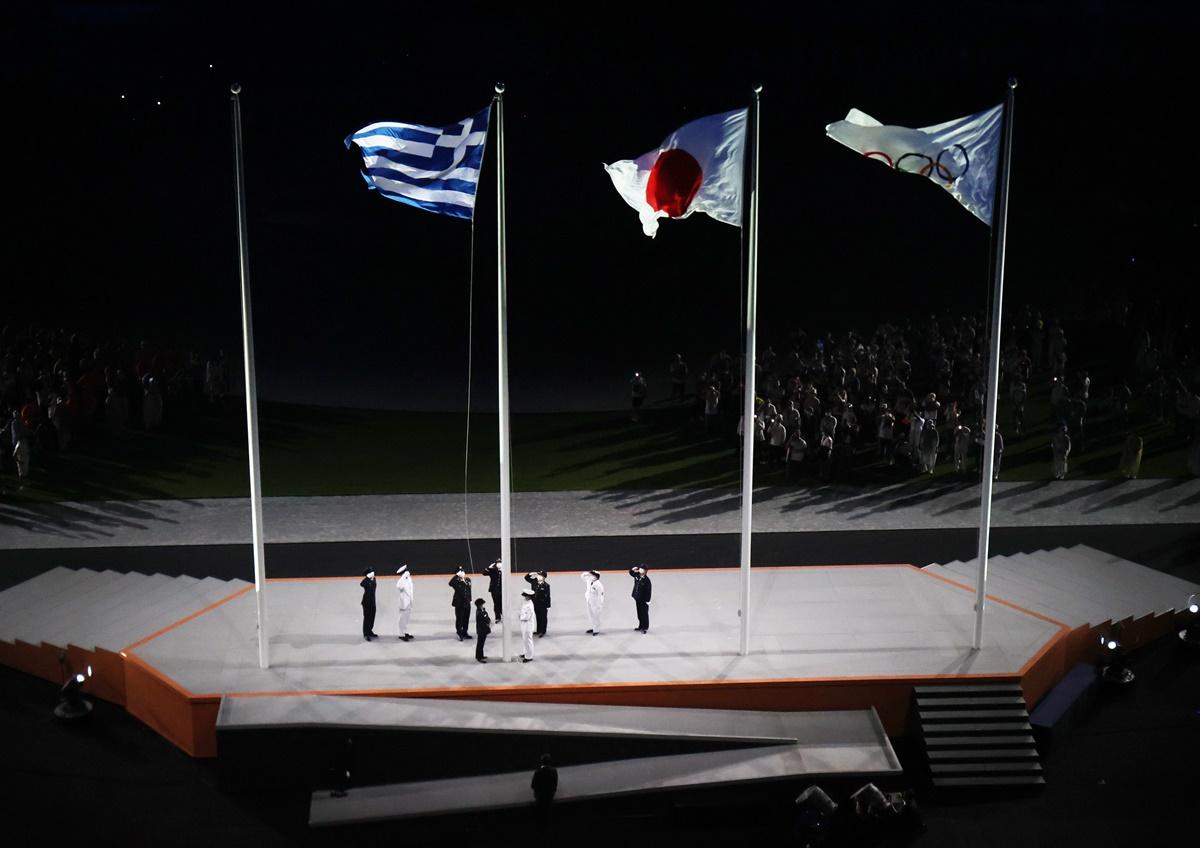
point(674, 180)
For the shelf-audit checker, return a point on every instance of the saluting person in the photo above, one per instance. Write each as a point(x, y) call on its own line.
point(461, 584)
point(541, 598)
point(641, 596)
point(496, 589)
point(368, 604)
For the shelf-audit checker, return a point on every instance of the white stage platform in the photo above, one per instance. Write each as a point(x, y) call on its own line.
point(840, 622)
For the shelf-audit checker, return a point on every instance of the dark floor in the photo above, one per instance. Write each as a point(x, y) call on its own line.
point(1125, 775)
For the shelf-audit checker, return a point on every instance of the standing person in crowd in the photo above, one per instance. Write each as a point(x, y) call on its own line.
point(496, 588)
point(593, 598)
point(641, 596)
point(1061, 446)
point(887, 427)
point(962, 447)
point(778, 440)
point(1131, 457)
point(526, 619)
point(998, 454)
point(712, 407)
point(929, 447)
point(368, 604)
point(483, 626)
point(796, 446)
point(404, 596)
point(1018, 393)
point(461, 601)
point(637, 394)
point(679, 372)
point(541, 598)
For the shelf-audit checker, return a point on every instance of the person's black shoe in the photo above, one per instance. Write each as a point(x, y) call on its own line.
point(460, 637)
point(481, 659)
point(407, 637)
point(591, 632)
point(526, 659)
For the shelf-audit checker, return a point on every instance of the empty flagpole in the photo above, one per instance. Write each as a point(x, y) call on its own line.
point(993, 384)
point(748, 425)
point(256, 511)
point(502, 318)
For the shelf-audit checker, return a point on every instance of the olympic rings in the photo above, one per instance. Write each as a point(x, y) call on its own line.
point(932, 166)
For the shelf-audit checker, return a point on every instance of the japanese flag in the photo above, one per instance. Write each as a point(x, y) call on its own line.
point(697, 168)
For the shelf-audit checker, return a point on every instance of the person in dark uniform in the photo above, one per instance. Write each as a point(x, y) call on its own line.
point(541, 599)
point(496, 589)
point(545, 781)
point(483, 626)
point(461, 584)
point(368, 604)
point(641, 596)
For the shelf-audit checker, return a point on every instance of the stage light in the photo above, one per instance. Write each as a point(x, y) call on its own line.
point(1112, 664)
point(1190, 634)
point(71, 703)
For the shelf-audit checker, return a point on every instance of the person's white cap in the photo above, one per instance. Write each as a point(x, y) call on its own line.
point(402, 569)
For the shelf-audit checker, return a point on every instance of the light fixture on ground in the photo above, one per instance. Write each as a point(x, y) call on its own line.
point(1112, 662)
point(1190, 634)
point(71, 703)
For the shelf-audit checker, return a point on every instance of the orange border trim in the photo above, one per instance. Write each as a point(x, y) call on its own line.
point(187, 618)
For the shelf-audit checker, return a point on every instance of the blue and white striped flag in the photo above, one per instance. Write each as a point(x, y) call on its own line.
point(430, 168)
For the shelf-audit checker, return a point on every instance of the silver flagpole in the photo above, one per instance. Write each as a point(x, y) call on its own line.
point(748, 427)
point(999, 219)
point(505, 445)
point(256, 511)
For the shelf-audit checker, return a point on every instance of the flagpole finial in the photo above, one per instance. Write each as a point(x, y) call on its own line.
point(1012, 82)
point(757, 89)
point(499, 88)
point(235, 89)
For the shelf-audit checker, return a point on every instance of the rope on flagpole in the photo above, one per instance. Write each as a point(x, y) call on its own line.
point(470, 362)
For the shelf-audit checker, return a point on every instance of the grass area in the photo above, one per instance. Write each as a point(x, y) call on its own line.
point(319, 451)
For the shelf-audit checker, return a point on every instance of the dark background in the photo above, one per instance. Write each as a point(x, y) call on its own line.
point(122, 211)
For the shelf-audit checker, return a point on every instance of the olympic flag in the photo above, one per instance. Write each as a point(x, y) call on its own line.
point(959, 155)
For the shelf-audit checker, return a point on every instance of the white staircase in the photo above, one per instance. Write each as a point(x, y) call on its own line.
point(102, 609)
point(1077, 585)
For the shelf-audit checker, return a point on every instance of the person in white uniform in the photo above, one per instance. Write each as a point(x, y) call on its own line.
point(404, 587)
point(526, 618)
point(593, 597)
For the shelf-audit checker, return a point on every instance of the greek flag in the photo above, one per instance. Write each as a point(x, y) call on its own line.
point(430, 168)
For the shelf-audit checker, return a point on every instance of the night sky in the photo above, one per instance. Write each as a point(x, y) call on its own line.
point(122, 221)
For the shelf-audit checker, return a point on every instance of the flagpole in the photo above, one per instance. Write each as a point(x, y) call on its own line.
point(502, 318)
point(748, 426)
point(993, 384)
point(256, 510)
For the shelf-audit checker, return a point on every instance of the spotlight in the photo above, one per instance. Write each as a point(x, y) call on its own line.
point(1190, 634)
point(71, 703)
point(1112, 663)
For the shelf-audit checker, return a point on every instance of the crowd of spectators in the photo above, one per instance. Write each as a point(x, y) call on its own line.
point(61, 390)
point(912, 393)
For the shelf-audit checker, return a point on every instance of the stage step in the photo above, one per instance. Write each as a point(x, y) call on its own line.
point(1076, 585)
point(980, 754)
point(990, 700)
point(942, 768)
point(105, 609)
point(1011, 781)
point(993, 743)
point(976, 737)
